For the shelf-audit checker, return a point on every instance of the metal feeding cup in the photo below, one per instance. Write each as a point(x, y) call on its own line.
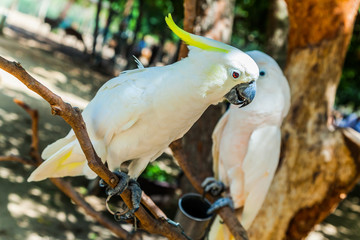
point(192, 215)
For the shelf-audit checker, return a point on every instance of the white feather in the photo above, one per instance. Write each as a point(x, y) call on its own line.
point(247, 143)
point(259, 170)
point(138, 63)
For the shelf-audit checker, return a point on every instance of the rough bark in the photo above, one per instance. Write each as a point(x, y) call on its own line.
point(318, 166)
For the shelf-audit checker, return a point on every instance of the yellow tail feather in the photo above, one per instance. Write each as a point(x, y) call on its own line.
point(65, 162)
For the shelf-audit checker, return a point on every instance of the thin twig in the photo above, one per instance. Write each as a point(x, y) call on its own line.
point(34, 114)
point(73, 117)
point(18, 159)
point(64, 186)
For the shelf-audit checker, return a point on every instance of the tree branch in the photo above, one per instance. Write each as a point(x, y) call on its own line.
point(73, 117)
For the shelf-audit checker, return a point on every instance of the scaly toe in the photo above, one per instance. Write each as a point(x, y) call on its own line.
point(213, 186)
point(135, 194)
point(221, 202)
point(121, 186)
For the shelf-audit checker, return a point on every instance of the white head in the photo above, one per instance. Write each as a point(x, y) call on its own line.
point(227, 68)
point(272, 85)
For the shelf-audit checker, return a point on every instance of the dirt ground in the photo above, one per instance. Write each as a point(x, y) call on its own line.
point(38, 210)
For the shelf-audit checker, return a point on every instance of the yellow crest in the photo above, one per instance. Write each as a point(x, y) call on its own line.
point(197, 41)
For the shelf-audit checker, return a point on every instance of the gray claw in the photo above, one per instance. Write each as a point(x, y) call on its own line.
point(121, 186)
point(212, 186)
point(135, 194)
point(133, 186)
point(102, 183)
point(221, 202)
point(120, 216)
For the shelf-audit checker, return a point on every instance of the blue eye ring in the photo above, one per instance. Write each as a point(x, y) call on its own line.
point(262, 73)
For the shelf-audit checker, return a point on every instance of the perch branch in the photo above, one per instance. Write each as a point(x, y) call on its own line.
point(73, 117)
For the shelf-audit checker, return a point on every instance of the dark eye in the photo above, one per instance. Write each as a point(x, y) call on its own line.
point(262, 73)
point(235, 74)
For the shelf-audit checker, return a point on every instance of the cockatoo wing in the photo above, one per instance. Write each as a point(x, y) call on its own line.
point(115, 108)
point(216, 137)
point(259, 167)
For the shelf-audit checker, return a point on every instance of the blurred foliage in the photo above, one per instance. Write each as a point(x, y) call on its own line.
point(249, 30)
point(155, 172)
point(348, 93)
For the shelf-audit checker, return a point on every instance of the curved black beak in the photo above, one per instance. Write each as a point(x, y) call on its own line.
point(242, 94)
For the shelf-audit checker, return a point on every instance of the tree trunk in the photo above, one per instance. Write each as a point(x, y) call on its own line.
point(209, 18)
point(108, 21)
point(96, 30)
point(213, 19)
point(277, 31)
point(318, 166)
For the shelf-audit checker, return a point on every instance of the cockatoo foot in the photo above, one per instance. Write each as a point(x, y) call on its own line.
point(213, 186)
point(220, 203)
point(120, 187)
point(136, 191)
point(124, 183)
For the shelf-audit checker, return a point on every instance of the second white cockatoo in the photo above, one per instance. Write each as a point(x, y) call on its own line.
point(246, 144)
point(135, 116)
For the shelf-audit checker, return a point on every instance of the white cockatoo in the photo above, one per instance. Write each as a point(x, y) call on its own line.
point(135, 116)
point(246, 144)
